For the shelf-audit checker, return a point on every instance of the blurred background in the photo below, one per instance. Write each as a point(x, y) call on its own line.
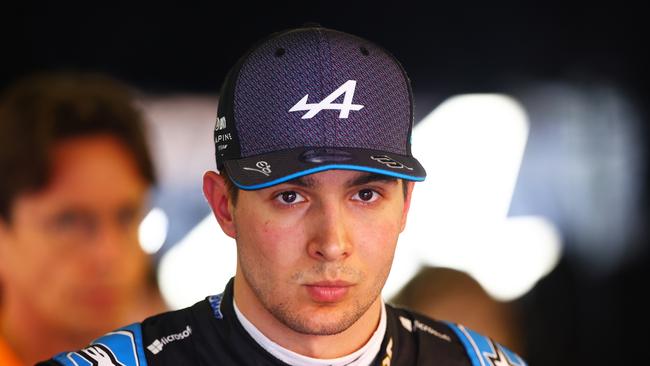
point(532, 122)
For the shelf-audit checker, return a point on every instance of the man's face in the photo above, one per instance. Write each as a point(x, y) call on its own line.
point(70, 253)
point(316, 252)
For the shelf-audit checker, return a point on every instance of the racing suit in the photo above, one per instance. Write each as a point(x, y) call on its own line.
point(209, 333)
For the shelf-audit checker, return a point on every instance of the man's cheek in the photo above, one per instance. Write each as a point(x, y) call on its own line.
point(279, 235)
point(380, 234)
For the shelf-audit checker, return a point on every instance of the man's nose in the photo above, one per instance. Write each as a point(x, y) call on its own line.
point(109, 243)
point(329, 240)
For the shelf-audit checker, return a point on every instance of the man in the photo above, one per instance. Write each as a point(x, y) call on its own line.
point(75, 174)
point(316, 174)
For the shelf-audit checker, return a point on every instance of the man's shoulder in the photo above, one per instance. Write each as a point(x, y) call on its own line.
point(415, 322)
point(455, 343)
point(483, 350)
point(122, 346)
point(129, 345)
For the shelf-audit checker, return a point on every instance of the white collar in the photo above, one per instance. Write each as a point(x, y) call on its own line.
point(361, 357)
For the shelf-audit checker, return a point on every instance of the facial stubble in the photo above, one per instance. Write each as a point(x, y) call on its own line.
point(304, 321)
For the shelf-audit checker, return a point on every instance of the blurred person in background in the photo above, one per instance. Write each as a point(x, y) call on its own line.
point(444, 293)
point(76, 173)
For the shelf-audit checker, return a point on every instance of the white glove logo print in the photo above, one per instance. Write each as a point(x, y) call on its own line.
point(99, 355)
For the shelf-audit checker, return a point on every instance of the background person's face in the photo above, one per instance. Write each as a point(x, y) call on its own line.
point(70, 253)
point(319, 263)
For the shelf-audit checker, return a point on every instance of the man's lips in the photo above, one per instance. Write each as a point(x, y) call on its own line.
point(328, 291)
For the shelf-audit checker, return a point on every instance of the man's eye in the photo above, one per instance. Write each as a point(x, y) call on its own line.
point(289, 197)
point(127, 216)
point(366, 195)
point(73, 222)
point(67, 220)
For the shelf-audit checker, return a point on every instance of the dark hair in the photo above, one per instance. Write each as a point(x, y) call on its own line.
point(39, 111)
point(233, 190)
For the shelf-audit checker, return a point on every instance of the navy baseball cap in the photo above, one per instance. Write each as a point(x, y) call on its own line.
point(313, 99)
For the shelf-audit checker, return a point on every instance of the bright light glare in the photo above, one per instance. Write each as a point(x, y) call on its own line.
point(472, 147)
point(514, 256)
point(199, 265)
point(153, 230)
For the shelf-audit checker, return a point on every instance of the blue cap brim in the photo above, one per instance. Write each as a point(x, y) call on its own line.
point(267, 170)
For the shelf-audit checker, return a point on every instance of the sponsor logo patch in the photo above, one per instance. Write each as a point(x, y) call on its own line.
point(158, 345)
point(389, 162)
point(410, 325)
point(262, 167)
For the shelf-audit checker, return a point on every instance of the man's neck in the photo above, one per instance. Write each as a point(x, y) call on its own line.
point(30, 337)
point(362, 357)
point(314, 346)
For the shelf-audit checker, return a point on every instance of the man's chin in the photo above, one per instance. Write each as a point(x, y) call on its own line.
point(319, 329)
point(323, 321)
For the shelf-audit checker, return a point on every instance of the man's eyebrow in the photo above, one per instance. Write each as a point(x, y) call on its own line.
point(369, 178)
point(304, 181)
point(309, 182)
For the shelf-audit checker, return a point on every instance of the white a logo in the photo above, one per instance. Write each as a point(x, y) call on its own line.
point(328, 103)
point(221, 124)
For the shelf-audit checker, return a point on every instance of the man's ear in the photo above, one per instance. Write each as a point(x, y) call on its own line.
point(216, 192)
point(407, 202)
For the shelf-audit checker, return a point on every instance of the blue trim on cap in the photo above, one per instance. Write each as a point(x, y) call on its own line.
point(327, 167)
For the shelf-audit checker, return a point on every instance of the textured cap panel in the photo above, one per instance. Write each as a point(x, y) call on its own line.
point(283, 70)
